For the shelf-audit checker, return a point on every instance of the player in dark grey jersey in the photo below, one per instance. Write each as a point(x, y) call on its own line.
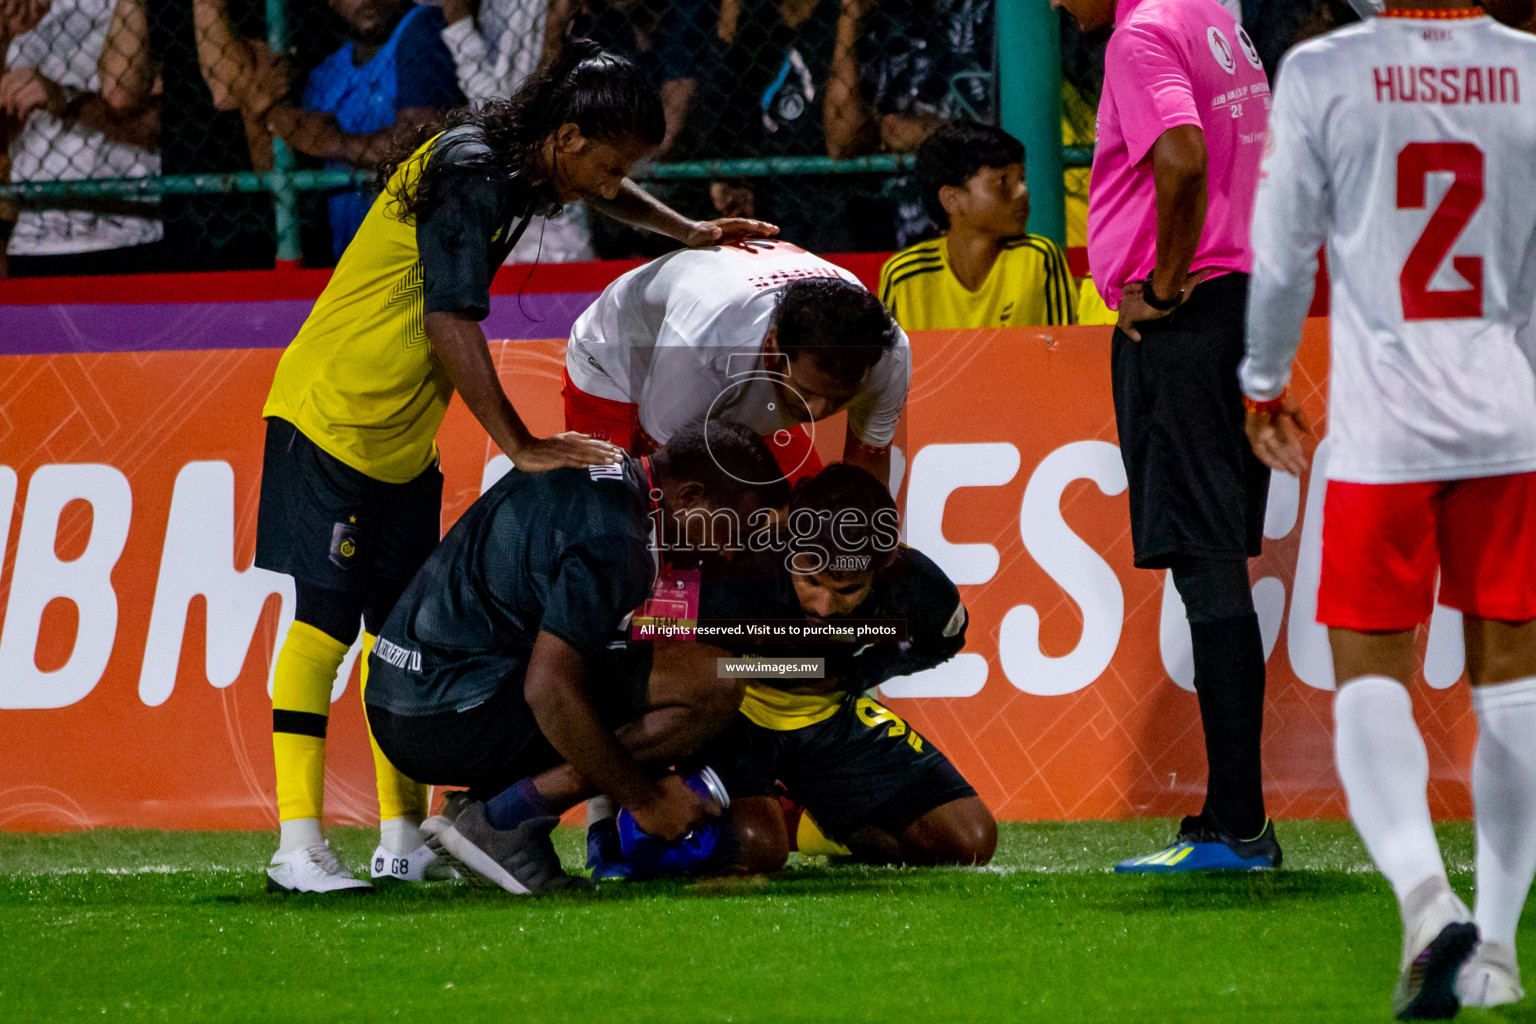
point(505, 667)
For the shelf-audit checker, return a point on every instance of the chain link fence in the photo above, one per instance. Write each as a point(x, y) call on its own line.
point(144, 134)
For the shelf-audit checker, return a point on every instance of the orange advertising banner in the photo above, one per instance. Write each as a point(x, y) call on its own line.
point(137, 640)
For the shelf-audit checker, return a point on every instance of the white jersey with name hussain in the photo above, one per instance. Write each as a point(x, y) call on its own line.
point(682, 337)
point(1408, 144)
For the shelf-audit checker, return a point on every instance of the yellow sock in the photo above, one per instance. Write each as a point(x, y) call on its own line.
point(809, 838)
point(301, 705)
point(399, 797)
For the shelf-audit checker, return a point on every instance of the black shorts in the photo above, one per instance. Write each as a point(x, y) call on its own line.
point(326, 524)
point(1196, 488)
point(488, 747)
point(863, 766)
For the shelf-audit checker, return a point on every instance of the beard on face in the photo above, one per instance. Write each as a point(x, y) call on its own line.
point(383, 18)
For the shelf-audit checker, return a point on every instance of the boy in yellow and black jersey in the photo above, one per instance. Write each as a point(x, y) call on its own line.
point(872, 785)
point(985, 270)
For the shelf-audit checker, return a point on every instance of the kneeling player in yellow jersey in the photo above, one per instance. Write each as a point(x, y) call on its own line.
point(351, 492)
point(873, 784)
point(985, 270)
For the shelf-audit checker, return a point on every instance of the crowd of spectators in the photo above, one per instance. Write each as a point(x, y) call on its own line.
point(133, 88)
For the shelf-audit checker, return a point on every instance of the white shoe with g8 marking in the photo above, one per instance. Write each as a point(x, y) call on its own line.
point(420, 865)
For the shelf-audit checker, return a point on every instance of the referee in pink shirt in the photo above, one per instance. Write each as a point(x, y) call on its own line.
point(1181, 132)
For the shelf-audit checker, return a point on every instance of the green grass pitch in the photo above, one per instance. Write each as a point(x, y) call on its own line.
point(164, 926)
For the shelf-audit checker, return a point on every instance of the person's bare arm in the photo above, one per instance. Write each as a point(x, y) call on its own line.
point(460, 345)
point(25, 89)
point(675, 97)
point(126, 67)
point(877, 460)
point(1179, 176)
point(137, 128)
point(227, 59)
point(638, 208)
point(18, 16)
point(903, 133)
point(316, 132)
point(847, 119)
point(557, 23)
point(725, 23)
point(556, 690)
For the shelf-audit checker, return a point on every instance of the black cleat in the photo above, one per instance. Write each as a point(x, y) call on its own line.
point(1203, 845)
point(1426, 990)
point(1206, 829)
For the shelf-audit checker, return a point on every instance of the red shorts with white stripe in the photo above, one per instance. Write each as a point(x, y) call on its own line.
point(1383, 543)
point(619, 423)
point(603, 418)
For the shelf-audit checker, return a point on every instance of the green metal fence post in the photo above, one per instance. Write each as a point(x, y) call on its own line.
point(1029, 99)
point(284, 197)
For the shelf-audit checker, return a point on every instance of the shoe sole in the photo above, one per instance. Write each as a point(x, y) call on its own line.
point(1159, 870)
point(1435, 998)
point(451, 869)
point(480, 862)
point(273, 885)
point(1494, 985)
point(1488, 997)
point(430, 876)
point(1187, 862)
point(400, 879)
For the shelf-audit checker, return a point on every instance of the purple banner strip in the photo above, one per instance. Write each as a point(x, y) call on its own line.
point(182, 326)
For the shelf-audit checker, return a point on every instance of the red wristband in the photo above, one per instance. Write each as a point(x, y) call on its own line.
point(1270, 407)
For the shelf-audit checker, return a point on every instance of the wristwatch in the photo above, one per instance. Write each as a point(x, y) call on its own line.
point(1149, 296)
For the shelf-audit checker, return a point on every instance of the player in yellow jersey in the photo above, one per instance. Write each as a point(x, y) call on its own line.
point(873, 786)
point(351, 493)
point(985, 270)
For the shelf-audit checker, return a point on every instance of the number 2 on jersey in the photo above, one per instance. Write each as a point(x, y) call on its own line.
point(1415, 163)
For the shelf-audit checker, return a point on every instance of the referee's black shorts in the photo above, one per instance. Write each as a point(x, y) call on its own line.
point(1196, 489)
point(328, 525)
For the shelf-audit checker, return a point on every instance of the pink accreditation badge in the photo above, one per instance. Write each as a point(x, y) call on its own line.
point(672, 610)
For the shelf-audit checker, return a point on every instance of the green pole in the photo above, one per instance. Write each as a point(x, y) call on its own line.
point(1029, 100)
point(284, 198)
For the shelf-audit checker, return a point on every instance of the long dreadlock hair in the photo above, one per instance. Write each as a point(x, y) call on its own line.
point(601, 93)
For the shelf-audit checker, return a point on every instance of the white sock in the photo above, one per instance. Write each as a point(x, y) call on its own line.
point(298, 833)
point(400, 835)
point(1385, 771)
point(600, 808)
point(1504, 791)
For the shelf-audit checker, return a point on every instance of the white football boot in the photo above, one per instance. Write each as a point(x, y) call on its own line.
point(416, 866)
point(1491, 977)
point(312, 868)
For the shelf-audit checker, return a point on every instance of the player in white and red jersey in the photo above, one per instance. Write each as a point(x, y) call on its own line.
point(761, 333)
point(1407, 144)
